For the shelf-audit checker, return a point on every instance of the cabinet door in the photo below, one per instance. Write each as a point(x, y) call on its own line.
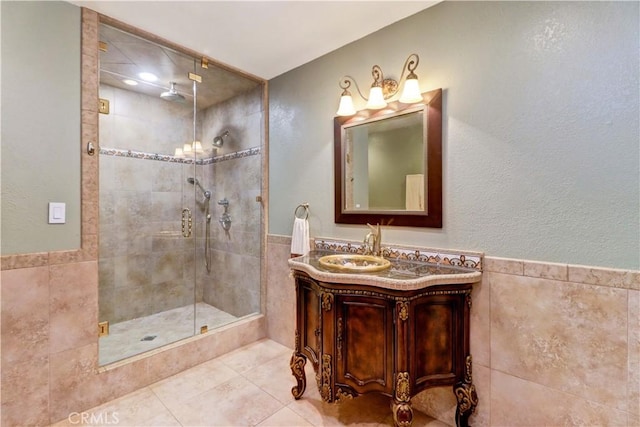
point(439, 338)
point(364, 343)
point(309, 320)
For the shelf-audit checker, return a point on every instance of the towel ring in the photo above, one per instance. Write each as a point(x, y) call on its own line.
point(304, 206)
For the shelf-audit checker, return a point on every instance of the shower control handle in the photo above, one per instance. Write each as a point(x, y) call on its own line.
point(225, 219)
point(187, 222)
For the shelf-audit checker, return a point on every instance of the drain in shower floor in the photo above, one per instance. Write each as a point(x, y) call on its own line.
point(148, 338)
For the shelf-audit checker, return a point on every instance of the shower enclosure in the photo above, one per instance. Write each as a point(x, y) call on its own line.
point(180, 182)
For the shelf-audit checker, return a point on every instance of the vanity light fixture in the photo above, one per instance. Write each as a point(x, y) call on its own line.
point(197, 147)
point(189, 148)
point(130, 82)
point(382, 88)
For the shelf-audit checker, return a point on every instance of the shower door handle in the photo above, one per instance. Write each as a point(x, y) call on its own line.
point(186, 222)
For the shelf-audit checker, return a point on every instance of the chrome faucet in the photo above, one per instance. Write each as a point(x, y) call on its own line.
point(373, 241)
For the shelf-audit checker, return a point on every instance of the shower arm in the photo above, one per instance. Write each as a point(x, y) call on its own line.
point(205, 193)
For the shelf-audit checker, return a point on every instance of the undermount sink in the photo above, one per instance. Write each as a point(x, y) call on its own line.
point(351, 263)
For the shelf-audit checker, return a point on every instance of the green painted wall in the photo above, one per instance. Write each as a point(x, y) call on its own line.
point(40, 134)
point(540, 129)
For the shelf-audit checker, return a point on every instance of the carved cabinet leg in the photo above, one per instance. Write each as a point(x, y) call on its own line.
point(297, 369)
point(402, 413)
point(466, 395)
point(401, 407)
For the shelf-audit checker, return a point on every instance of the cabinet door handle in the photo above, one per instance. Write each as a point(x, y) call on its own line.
point(339, 334)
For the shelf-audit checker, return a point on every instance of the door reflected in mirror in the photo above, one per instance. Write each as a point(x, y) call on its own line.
point(388, 165)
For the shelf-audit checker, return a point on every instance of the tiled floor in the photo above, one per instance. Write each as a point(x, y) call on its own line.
point(125, 339)
point(247, 387)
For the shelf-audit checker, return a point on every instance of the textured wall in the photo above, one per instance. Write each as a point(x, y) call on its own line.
point(540, 128)
point(40, 125)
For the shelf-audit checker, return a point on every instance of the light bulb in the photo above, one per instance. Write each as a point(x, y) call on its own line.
point(197, 147)
point(346, 107)
point(411, 92)
point(376, 98)
point(148, 77)
point(186, 148)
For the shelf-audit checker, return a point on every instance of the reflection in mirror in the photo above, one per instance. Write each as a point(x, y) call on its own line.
point(388, 165)
point(384, 163)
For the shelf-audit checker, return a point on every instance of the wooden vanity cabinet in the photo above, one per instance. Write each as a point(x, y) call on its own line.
point(362, 339)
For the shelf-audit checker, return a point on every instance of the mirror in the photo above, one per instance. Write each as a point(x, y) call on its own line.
point(388, 165)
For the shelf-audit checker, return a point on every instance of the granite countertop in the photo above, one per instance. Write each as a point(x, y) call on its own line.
point(402, 275)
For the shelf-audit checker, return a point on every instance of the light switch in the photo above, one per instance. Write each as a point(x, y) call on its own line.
point(57, 213)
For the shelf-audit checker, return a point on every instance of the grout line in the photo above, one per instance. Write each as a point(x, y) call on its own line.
point(163, 404)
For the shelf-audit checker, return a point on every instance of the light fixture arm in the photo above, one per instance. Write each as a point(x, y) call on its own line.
point(345, 84)
point(378, 76)
point(410, 65)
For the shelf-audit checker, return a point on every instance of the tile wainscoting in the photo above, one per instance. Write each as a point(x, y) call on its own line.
point(50, 346)
point(552, 344)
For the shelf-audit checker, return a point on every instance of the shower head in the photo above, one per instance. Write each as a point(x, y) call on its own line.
point(194, 181)
point(218, 141)
point(172, 94)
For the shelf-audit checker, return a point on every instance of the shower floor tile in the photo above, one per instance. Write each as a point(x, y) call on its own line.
point(250, 386)
point(136, 336)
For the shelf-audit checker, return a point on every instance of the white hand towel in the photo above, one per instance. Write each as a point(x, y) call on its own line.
point(300, 237)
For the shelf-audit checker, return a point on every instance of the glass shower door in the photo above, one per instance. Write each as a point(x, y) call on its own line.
point(147, 204)
point(180, 188)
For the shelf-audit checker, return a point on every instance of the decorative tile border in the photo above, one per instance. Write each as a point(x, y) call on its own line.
point(117, 152)
point(470, 260)
point(231, 156)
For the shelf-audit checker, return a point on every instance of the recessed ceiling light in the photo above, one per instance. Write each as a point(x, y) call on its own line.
point(130, 82)
point(149, 77)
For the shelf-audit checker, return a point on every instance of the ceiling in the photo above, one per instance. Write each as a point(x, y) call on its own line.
point(124, 56)
point(263, 38)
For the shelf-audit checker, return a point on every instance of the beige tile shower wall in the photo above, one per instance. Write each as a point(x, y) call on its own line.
point(143, 123)
point(144, 259)
point(233, 285)
point(552, 344)
point(145, 265)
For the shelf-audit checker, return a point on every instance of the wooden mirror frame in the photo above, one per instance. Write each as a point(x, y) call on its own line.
point(433, 145)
